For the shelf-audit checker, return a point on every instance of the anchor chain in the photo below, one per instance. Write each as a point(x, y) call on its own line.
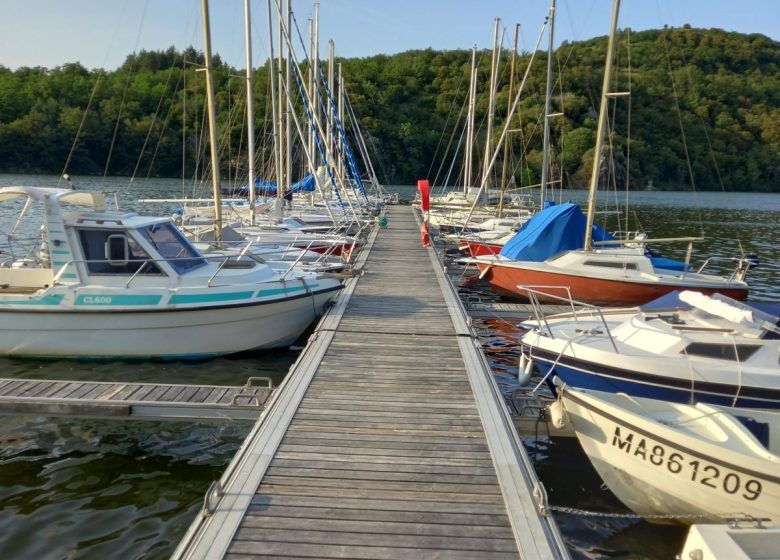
point(591, 513)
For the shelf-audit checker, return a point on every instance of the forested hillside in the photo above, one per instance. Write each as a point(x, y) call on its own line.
point(708, 93)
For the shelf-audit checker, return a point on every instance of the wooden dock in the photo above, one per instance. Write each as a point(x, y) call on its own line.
point(387, 439)
point(134, 400)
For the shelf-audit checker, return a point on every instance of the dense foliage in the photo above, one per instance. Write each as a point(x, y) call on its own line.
point(704, 111)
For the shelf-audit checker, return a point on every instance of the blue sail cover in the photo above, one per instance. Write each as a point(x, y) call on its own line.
point(306, 184)
point(669, 264)
point(557, 228)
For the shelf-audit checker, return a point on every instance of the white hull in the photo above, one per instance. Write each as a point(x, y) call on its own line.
point(676, 460)
point(727, 542)
point(183, 333)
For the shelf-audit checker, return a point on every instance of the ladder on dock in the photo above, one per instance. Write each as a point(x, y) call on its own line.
point(387, 439)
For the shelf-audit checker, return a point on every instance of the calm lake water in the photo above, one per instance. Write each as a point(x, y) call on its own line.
point(76, 488)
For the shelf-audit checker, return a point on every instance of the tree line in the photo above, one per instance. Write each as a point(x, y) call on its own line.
point(703, 112)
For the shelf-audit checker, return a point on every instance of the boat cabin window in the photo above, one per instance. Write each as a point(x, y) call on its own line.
point(612, 264)
point(108, 251)
point(739, 352)
point(173, 247)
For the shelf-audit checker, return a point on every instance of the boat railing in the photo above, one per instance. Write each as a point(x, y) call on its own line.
point(577, 308)
point(143, 264)
point(744, 264)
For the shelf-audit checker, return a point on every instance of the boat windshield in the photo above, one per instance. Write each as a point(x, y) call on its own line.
point(173, 247)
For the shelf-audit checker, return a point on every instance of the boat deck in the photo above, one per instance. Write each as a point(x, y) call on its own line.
point(387, 439)
point(134, 400)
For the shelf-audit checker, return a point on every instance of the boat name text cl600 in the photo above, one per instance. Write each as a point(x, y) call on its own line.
point(676, 463)
point(97, 300)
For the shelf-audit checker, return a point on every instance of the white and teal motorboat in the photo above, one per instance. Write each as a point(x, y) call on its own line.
point(105, 284)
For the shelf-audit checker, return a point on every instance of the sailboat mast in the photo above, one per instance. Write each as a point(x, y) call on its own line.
point(340, 112)
point(310, 132)
point(287, 111)
point(505, 166)
point(602, 126)
point(547, 95)
point(470, 123)
point(274, 102)
point(315, 90)
point(494, 62)
point(329, 117)
point(212, 118)
point(281, 179)
point(250, 112)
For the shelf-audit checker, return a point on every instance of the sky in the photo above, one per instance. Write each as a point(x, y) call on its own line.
point(101, 33)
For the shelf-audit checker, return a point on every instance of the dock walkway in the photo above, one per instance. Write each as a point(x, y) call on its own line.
point(387, 439)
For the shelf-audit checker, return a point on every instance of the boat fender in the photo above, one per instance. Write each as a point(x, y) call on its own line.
point(558, 416)
point(524, 369)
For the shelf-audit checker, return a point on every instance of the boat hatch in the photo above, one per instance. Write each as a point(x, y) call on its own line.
point(760, 430)
point(612, 264)
point(101, 218)
point(733, 352)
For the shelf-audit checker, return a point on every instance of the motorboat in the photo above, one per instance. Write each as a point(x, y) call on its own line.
point(740, 539)
point(684, 348)
point(95, 283)
point(673, 462)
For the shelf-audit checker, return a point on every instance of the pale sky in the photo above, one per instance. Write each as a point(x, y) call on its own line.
point(101, 33)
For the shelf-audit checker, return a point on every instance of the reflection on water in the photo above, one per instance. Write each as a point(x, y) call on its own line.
point(75, 488)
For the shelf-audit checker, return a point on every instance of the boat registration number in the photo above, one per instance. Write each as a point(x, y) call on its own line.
point(701, 472)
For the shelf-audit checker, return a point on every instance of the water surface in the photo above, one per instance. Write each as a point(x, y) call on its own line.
point(81, 488)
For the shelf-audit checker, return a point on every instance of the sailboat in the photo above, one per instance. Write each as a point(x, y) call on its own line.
point(611, 271)
point(457, 214)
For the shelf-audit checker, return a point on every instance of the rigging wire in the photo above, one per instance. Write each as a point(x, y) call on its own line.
point(682, 128)
point(452, 134)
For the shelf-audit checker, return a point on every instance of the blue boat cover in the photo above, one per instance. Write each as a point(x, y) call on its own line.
point(557, 228)
point(304, 185)
point(669, 264)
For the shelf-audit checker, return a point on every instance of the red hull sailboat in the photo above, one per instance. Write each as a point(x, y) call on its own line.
point(554, 252)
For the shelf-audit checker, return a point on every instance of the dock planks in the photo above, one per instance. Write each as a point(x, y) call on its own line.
point(135, 400)
point(388, 438)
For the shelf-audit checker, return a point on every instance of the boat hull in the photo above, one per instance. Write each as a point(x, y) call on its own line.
point(480, 248)
point(655, 472)
point(588, 289)
point(600, 377)
point(183, 333)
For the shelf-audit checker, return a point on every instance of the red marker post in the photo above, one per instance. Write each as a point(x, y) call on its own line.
point(425, 205)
